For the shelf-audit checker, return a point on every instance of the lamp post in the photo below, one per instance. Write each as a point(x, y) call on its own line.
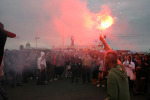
point(36, 38)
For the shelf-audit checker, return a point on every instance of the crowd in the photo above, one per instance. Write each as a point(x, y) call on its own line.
point(49, 65)
point(138, 71)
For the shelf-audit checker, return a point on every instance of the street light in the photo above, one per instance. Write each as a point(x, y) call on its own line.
point(36, 38)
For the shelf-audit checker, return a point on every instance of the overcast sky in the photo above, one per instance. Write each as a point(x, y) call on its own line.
point(50, 20)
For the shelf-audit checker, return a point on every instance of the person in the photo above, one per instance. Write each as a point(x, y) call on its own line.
point(101, 65)
point(61, 64)
point(95, 65)
point(74, 69)
point(13, 68)
point(49, 66)
point(2, 91)
point(130, 67)
point(146, 63)
point(41, 69)
point(86, 64)
point(54, 62)
point(3, 36)
point(141, 77)
point(117, 80)
point(19, 67)
point(33, 64)
point(104, 77)
point(68, 67)
point(136, 56)
point(26, 67)
point(7, 66)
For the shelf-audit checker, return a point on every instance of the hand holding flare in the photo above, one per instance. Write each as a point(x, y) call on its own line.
point(106, 46)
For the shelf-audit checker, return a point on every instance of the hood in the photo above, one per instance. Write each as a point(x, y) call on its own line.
point(120, 70)
point(42, 54)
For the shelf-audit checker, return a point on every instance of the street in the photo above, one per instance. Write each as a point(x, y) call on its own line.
point(60, 90)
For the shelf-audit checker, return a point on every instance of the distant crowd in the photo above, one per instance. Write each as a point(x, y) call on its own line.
point(88, 66)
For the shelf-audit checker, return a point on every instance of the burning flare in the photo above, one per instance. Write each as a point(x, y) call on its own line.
point(106, 21)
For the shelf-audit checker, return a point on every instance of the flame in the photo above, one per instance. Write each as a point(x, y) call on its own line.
point(106, 21)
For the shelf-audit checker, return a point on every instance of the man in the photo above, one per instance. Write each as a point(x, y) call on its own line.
point(2, 91)
point(41, 69)
point(101, 65)
point(7, 65)
point(135, 59)
point(3, 36)
point(75, 68)
point(54, 62)
point(141, 77)
point(86, 63)
point(49, 66)
point(130, 67)
point(117, 81)
point(33, 64)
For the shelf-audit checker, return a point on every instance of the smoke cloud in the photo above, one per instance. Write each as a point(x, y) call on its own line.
point(69, 18)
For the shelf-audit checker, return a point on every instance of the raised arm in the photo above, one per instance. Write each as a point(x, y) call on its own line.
point(10, 34)
point(107, 47)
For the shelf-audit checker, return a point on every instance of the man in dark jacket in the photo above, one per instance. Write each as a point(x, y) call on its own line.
point(3, 36)
point(117, 81)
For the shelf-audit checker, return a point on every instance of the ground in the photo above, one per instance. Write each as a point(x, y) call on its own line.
point(60, 90)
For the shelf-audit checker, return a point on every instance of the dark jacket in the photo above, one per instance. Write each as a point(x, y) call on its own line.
point(3, 37)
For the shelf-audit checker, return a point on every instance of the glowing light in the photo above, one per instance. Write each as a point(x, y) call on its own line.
point(106, 22)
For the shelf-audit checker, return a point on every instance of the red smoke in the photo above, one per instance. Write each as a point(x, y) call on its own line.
point(69, 18)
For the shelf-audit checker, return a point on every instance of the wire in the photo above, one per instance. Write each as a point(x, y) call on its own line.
point(127, 35)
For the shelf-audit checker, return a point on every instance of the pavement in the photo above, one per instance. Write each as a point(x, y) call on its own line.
point(61, 90)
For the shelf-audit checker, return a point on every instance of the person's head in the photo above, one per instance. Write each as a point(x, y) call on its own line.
point(129, 58)
point(1, 26)
point(139, 60)
point(42, 54)
point(146, 58)
point(103, 69)
point(110, 59)
point(6, 51)
point(125, 58)
point(136, 56)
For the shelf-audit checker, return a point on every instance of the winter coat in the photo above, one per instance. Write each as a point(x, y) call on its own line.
point(3, 37)
point(117, 84)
